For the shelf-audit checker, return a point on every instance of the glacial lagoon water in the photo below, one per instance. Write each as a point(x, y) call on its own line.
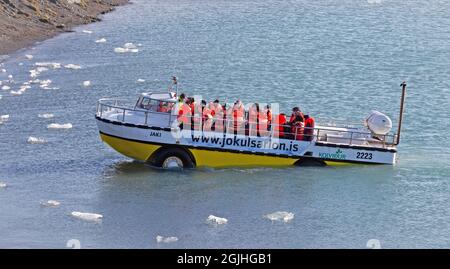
point(336, 59)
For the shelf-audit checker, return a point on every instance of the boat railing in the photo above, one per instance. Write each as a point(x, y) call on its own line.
point(324, 134)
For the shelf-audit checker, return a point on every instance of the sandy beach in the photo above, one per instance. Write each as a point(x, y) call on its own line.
point(23, 22)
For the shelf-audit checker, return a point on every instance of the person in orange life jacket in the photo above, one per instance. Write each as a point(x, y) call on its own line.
point(296, 112)
point(297, 128)
point(184, 115)
point(237, 113)
point(309, 128)
point(217, 113)
point(279, 125)
point(206, 116)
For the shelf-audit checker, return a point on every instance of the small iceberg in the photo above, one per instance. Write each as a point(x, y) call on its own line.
point(120, 50)
point(46, 116)
point(141, 80)
point(87, 31)
point(127, 47)
point(216, 220)
point(3, 185)
point(29, 56)
point(72, 66)
point(59, 126)
point(3, 70)
point(36, 140)
point(86, 83)
point(10, 76)
point(19, 92)
point(6, 88)
point(87, 216)
point(162, 239)
point(101, 40)
point(280, 216)
point(4, 117)
point(50, 203)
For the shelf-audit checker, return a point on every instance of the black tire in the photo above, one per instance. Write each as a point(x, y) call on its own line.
point(164, 154)
point(310, 162)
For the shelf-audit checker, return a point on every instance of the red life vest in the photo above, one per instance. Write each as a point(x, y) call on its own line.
point(309, 128)
point(280, 121)
point(297, 129)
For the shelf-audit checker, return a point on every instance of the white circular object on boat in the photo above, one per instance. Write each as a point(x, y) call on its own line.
point(379, 123)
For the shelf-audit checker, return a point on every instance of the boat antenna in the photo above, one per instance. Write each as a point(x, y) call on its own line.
point(174, 83)
point(402, 106)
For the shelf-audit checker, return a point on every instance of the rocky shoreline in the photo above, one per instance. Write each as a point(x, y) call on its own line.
point(23, 22)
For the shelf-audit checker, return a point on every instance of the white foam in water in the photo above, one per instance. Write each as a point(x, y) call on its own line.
point(141, 80)
point(72, 66)
point(46, 116)
point(87, 31)
point(6, 88)
point(280, 216)
point(29, 56)
point(87, 216)
point(50, 203)
point(162, 239)
point(86, 83)
point(59, 126)
point(3, 185)
point(101, 40)
point(216, 220)
point(36, 140)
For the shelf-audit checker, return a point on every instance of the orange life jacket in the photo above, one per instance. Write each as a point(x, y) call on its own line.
point(280, 121)
point(184, 114)
point(297, 129)
point(309, 128)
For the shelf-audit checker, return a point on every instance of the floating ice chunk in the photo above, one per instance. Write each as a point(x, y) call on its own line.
point(101, 40)
point(36, 140)
point(280, 216)
point(6, 88)
point(3, 185)
point(129, 46)
point(50, 203)
point(120, 50)
point(20, 64)
point(141, 80)
point(72, 66)
point(19, 92)
point(86, 83)
point(374, 1)
point(59, 126)
point(3, 70)
point(162, 239)
point(10, 76)
point(4, 117)
point(216, 220)
point(49, 65)
point(46, 116)
point(134, 50)
point(87, 216)
point(87, 31)
point(29, 56)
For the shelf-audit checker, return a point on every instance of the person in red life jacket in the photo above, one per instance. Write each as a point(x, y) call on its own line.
point(217, 113)
point(278, 125)
point(309, 128)
point(298, 128)
point(237, 114)
point(296, 112)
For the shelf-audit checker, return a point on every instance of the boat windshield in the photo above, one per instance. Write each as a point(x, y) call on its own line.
point(155, 105)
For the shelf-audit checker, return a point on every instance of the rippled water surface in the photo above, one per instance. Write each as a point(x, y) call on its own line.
point(336, 59)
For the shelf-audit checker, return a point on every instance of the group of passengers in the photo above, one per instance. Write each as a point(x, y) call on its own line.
point(257, 121)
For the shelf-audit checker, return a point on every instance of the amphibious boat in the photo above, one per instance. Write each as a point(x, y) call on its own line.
point(144, 131)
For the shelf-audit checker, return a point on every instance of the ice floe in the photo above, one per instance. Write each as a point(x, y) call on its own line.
point(141, 80)
point(6, 88)
point(36, 140)
point(127, 47)
point(46, 116)
point(101, 40)
point(162, 239)
point(87, 216)
point(3, 185)
point(86, 83)
point(50, 203)
point(87, 31)
point(280, 216)
point(29, 56)
point(72, 66)
point(4, 118)
point(216, 220)
point(59, 126)
point(49, 65)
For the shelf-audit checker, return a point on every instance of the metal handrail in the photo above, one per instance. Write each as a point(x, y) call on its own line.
point(245, 124)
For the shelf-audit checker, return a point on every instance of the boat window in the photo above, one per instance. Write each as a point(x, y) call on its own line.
point(145, 103)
